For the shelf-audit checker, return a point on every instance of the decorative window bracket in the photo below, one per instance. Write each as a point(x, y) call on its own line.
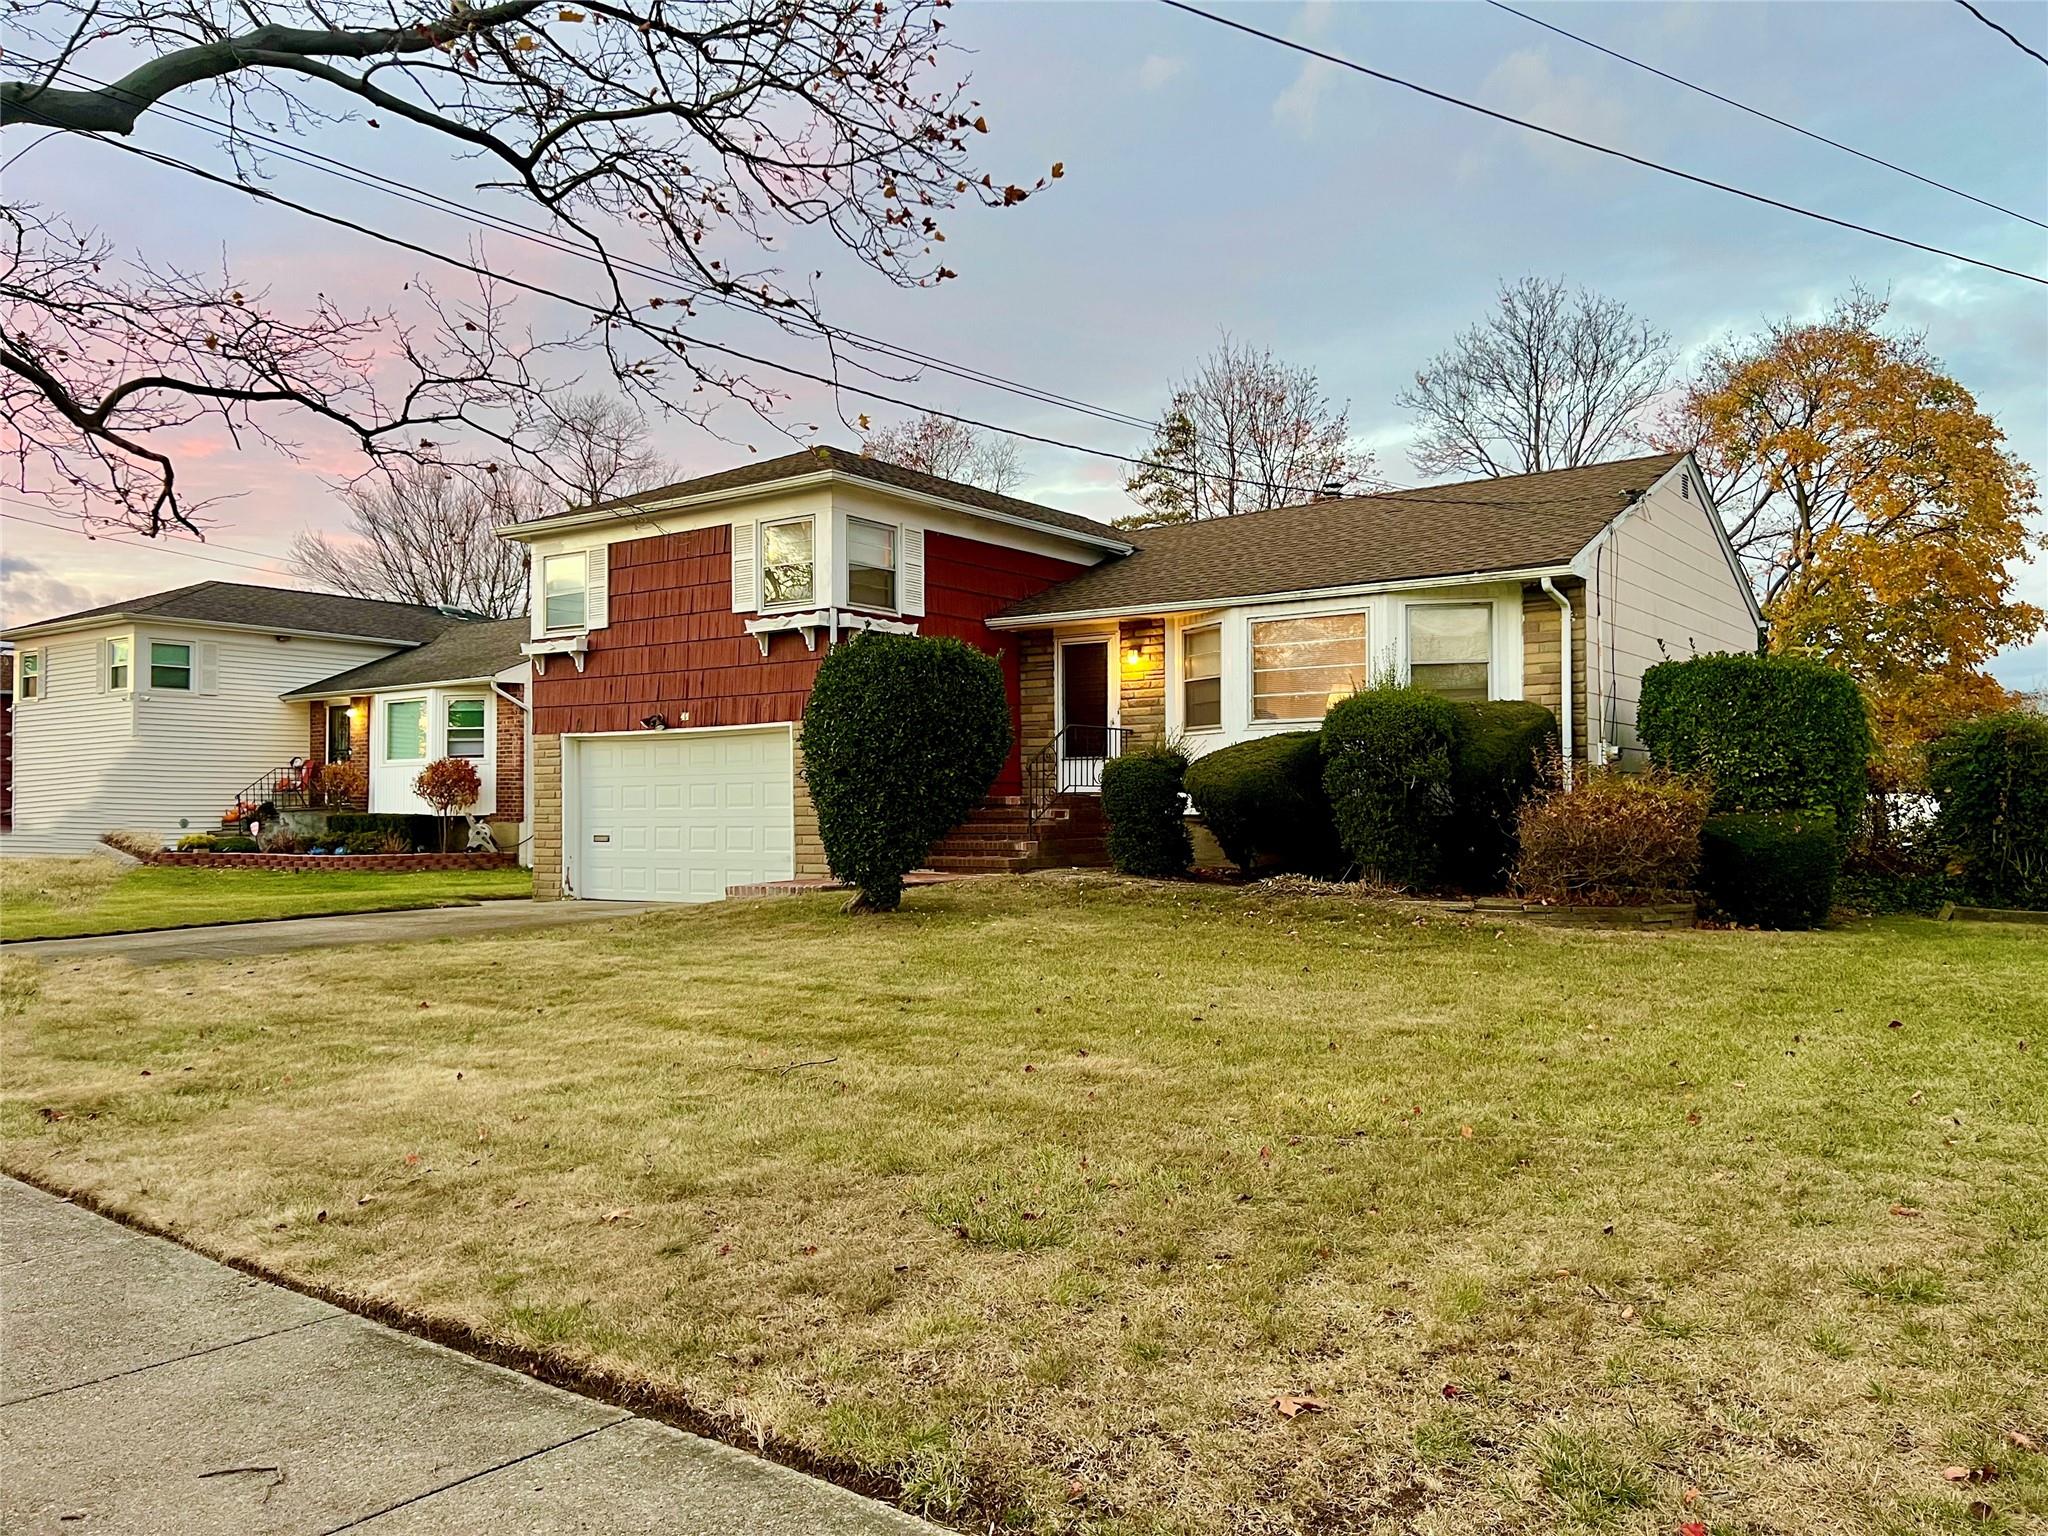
point(576, 645)
point(833, 622)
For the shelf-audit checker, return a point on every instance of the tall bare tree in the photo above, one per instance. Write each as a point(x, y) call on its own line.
point(938, 445)
point(1244, 432)
point(1550, 380)
point(652, 136)
point(597, 448)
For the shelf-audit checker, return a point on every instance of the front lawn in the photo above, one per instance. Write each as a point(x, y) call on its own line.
point(52, 898)
point(1035, 1197)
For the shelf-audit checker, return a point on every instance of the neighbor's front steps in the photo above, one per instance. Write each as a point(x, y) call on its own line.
point(998, 838)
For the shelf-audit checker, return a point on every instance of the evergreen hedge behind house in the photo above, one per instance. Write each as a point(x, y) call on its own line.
point(1772, 733)
point(1263, 800)
point(1141, 801)
point(903, 735)
point(1389, 762)
point(1771, 869)
point(1990, 777)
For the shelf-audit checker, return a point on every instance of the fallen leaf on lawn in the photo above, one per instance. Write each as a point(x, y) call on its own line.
point(622, 1212)
point(320, 1216)
point(364, 1199)
point(1452, 1389)
point(1904, 1210)
point(1465, 1131)
point(52, 1114)
point(1956, 1474)
point(2023, 1440)
point(1693, 1528)
point(1979, 1510)
point(1690, 1496)
point(1692, 1117)
point(412, 1159)
point(1918, 1097)
point(1628, 1314)
point(1287, 1405)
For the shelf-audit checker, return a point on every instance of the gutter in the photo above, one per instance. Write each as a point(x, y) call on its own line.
point(1564, 651)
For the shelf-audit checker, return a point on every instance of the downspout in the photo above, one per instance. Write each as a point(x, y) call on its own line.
point(525, 761)
point(1564, 652)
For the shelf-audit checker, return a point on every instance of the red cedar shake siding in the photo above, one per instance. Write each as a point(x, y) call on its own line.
point(673, 646)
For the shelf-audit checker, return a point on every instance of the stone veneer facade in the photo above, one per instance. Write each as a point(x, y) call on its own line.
point(1542, 662)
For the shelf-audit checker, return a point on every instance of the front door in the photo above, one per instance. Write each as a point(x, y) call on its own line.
point(1084, 712)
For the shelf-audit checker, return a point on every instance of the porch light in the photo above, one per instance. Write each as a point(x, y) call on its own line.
point(1134, 658)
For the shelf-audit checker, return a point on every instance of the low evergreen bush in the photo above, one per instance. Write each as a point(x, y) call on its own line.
point(1611, 839)
point(1263, 800)
point(1990, 777)
point(1141, 801)
point(903, 735)
point(1389, 761)
point(1771, 869)
point(1770, 733)
point(1502, 746)
point(345, 829)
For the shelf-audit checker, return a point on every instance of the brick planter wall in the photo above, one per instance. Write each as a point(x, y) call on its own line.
point(354, 863)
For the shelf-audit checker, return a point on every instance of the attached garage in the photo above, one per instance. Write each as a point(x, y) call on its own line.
point(678, 815)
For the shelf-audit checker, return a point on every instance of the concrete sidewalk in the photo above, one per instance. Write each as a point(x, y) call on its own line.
point(233, 941)
point(146, 1390)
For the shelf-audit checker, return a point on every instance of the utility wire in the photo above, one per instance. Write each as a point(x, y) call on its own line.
point(155, 549)
point(1604, 149)
point(1994, 26)
point(1848, 149)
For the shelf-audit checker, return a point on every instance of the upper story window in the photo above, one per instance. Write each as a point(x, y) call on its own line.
point(1300, 667)
point(1450, 649)
point(1201, 678)
point(170, 666)
point(870, 564)
point(29, 676)
point(405, 730)
point(788, 564)
point(565, 587)
point(120, 664)
point(466, 728)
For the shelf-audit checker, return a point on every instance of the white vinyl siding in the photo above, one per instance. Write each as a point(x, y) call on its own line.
point(160, 761)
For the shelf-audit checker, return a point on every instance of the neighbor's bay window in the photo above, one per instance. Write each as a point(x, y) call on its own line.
point(120, 657)
point(466, 728)
point(170, 666)
point(1201, 678)
point(870, 564)
point(788, 564)
point(1450, 649)
point(405, 730)
point(1300, 667)
point(565, 585)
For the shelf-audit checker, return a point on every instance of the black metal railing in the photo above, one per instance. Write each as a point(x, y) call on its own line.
point(297, 786)
point(1071, 762)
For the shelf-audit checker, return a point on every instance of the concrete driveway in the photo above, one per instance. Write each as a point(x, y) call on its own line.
point(233, 941)
point(146, 1390)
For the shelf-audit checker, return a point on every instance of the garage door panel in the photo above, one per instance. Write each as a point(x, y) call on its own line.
point(683, 818)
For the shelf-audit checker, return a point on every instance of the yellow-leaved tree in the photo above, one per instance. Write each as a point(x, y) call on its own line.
point(1877, 509)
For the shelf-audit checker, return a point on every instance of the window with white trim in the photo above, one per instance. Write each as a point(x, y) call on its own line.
point(788, 564)
point(1201, 678)
point(466, 728)
point(870, 564)
point(405, 730)
point(1301, 666)
point(170, 666)
point(120, 664)
point(1450, 649)
point(30, 675)
point(565, 591)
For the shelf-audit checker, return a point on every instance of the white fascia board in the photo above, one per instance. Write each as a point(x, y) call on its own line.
point(147, 620)
point(650, 511)
point(1260, 599)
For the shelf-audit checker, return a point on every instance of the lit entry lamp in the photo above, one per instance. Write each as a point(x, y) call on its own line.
point(1133, 657)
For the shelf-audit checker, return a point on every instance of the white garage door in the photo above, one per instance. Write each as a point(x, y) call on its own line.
point(681, 815)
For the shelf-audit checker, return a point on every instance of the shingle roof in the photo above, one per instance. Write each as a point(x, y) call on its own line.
point(273, 608)
point(477, 649)
point(811, 461)
point(1513, 523)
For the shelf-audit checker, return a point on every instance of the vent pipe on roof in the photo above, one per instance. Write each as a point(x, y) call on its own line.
point(1333, 490)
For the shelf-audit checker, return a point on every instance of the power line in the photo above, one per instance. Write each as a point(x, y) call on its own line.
point(1604, 149)
point(154, 549)
point(1994, 26)
point(1849, 149)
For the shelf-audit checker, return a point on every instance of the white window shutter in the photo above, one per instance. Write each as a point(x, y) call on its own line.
point(43, 672)
point(597, 587)
point(99, 666)
point(910, 580)
point(745, 598)
point(208, 663)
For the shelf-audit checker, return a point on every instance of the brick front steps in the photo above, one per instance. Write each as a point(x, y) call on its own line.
point(999, 838)
point(352, 863)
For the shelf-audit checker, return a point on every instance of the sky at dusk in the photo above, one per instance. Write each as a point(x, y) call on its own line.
point(1214, 182)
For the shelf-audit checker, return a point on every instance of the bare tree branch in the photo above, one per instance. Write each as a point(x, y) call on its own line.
point(951, 449)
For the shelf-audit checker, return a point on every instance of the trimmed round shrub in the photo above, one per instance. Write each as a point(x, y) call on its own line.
point(903, 735)
point(1141, 801)
point(1502, 745)
point(1771, 733)
point(1263, 799)
point(1611, 839)
point(1389, 759)
point(1990, 777)
point(1771, 869)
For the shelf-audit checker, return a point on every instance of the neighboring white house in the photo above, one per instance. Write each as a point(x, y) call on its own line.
point(153, 715)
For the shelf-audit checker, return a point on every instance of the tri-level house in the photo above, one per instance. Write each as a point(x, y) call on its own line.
point(674, 637)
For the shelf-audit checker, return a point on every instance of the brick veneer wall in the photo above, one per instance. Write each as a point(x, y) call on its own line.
point(510, 784)
point(360, 863)
point(316, 733)
point(1141, 688)
point(1543, 663)
point(546, 768)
